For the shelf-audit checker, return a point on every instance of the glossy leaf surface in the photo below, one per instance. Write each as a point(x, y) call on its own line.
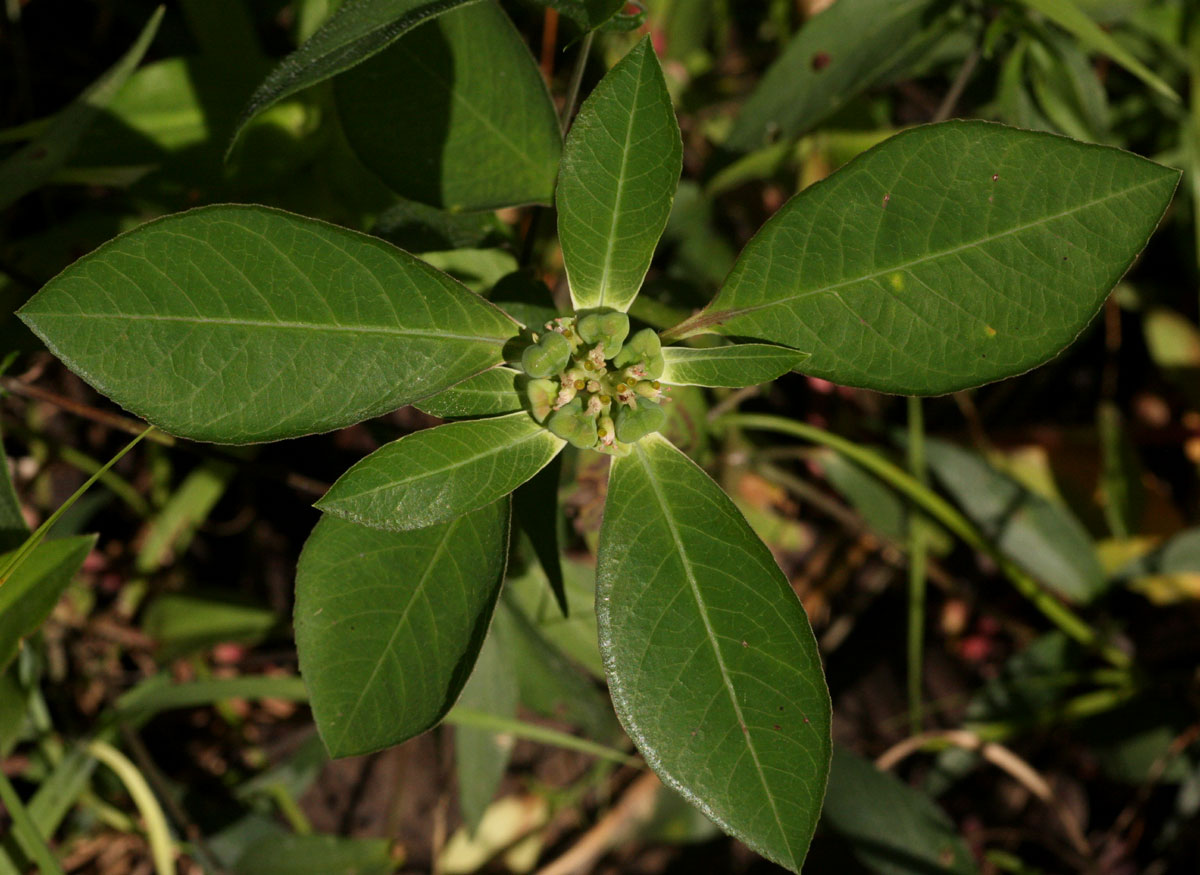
point(488, 394)
point(455, 114)
point(28, 597)
point(712, 666)
point(358, 30)
point(440, 473)
point(388, 624)
point(743, 364)
point(240, 324)
point(620, 167)
point(949, 256)
point(833, 58)
point(1041, 536)
point(891, 828)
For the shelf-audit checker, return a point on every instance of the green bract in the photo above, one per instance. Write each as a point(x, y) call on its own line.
point(945, 257)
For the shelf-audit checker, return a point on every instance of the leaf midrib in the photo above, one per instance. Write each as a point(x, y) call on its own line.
point(712, 638)
point(726, 315)
point(610, 247)
point(263, 323)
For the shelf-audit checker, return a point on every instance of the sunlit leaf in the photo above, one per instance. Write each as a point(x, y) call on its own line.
point(240, 324)
point(712, 666)
point(949, 256)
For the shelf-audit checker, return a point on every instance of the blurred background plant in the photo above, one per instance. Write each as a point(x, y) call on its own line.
point(151, 716)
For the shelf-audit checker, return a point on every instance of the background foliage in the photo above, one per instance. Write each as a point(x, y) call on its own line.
point(1026, 753)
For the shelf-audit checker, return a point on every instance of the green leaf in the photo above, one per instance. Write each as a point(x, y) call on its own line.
point(456, 114)
point(30, 594)
point(550, 684)
point(440, 473)
point(743, 364)
point(712, 666)
point(620, 166)
point(891, 828)
point(587, 15)
point(182, 623)
point(316, 855)
point(358, 30)
point(833, 58)
point(573, 633)
point(964, 252)
point(488, 394)
point(32, 165)
point(480, 756)
point(240, 324)
point(1121, 491)
point(388, 624)
point(537, 513)
point(1072, 19)
point(1037, 534)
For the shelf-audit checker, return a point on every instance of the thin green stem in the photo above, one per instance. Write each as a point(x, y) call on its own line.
point(916, 569)
point(459, 716)
point(945, 513)
point(568, 111)
point(24, 830)
point(31, 543)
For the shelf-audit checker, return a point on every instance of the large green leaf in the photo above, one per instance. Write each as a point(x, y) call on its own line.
point(891, 828)
point(240, 324)
point(440, 473)
point(388, 624)
point(1043, 537)
point(455, 114)
point(949, 256)
point(620, 167)
point(836, 55)
point(358, 30)
point(743, 364)
point(711, 662)
point(28, 597)
point(32, 165)
point(488, 394)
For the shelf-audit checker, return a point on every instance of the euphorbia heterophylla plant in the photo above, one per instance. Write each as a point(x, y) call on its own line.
point(948, 256)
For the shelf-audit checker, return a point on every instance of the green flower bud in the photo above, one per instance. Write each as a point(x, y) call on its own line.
point(573, 425)
point(541, 395)
point(634, 423)
point(643, 345)
point(609, 329)
point(548, 356)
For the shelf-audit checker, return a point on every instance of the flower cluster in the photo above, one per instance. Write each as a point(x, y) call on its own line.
point(592, 384)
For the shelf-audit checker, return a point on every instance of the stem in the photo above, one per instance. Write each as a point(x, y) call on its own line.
point(24, 830)
point(916, 568)
point(958, 86)
point(568, 112)
point(945, 513)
